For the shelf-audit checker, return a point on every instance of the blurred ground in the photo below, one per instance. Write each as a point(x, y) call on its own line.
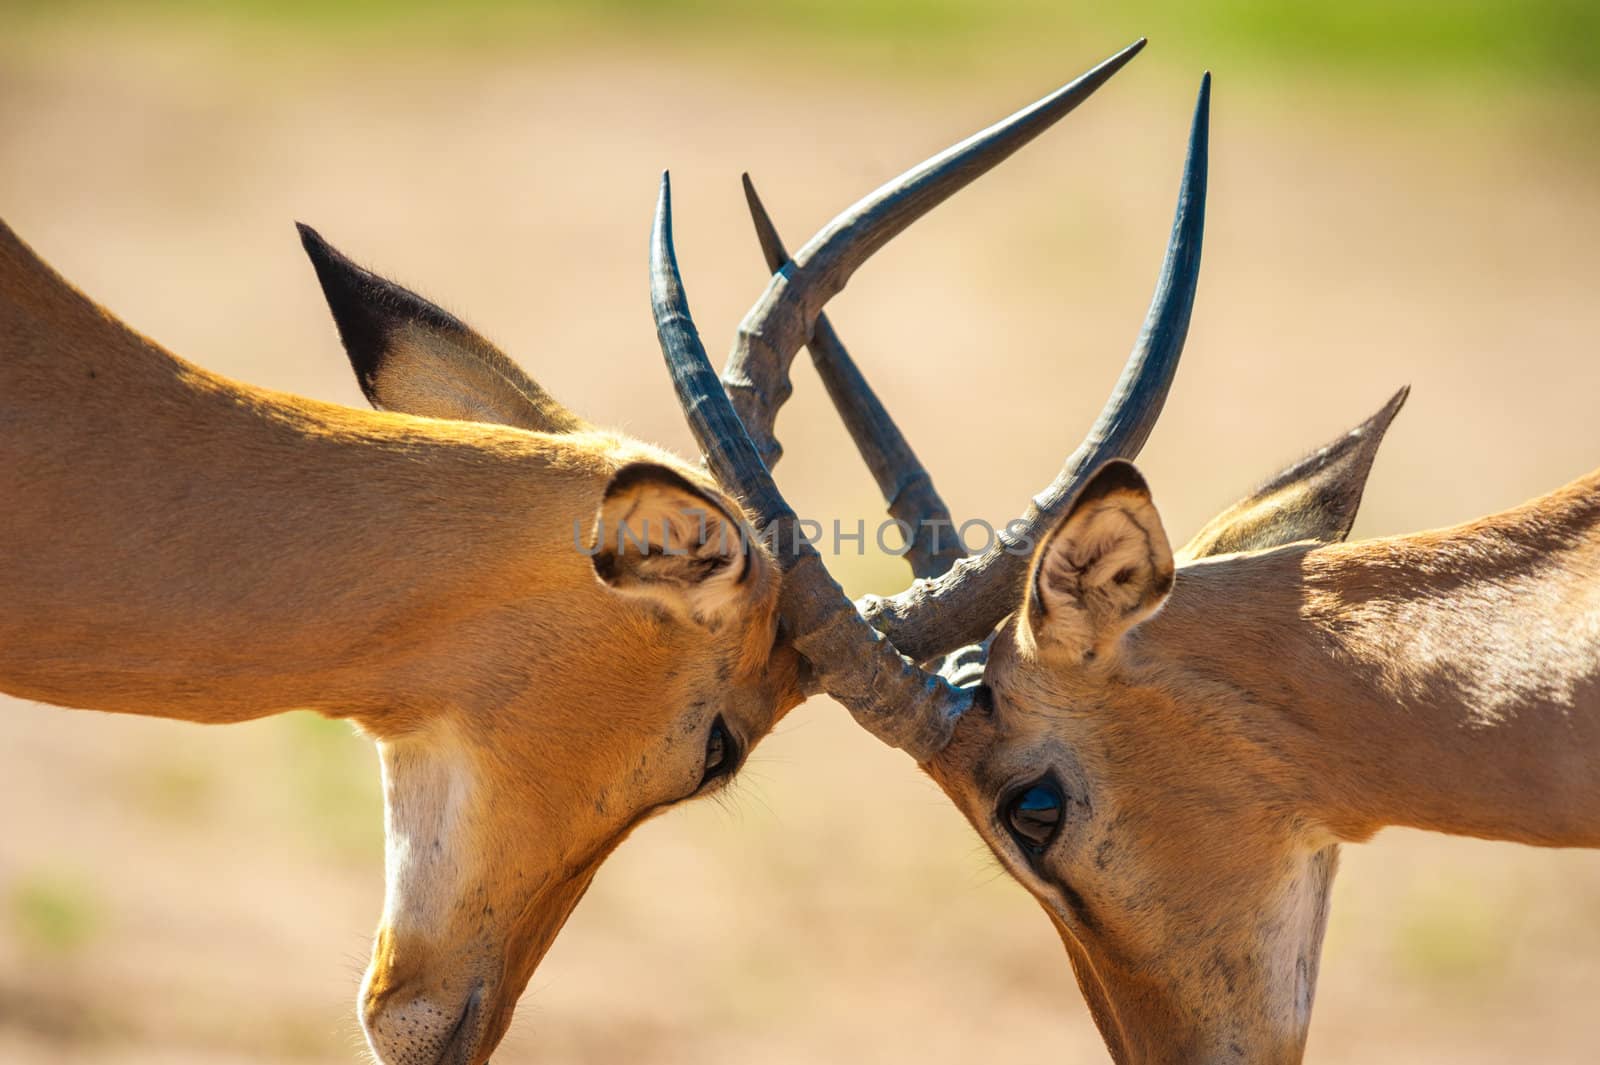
point(175, 894)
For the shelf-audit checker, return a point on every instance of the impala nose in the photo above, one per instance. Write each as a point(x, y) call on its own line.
point(422, 1029)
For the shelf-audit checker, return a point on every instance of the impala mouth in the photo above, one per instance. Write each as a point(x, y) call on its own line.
point(462, 1045)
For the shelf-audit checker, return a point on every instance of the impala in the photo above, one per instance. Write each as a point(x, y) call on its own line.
point(185, 546)
point(1167, 748)
point(181, 545)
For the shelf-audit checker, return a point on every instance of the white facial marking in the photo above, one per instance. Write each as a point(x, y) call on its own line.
point(427, 787)
point(1294, 951)
point(427, 793)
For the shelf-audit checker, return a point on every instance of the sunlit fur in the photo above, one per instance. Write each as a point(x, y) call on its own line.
point(1282, 701)
point(180, 545)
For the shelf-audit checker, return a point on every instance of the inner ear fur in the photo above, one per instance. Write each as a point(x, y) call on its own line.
point(660, 536)
point(1314, 499)
point(1105, 567)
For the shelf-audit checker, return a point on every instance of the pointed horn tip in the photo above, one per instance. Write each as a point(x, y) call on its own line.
point(758, 213)
point(1200, 125)
point(772, 248)
point(1100, 73)
point(752, 199)
point(664, 193)
point(1120, 59)
point(662, 228)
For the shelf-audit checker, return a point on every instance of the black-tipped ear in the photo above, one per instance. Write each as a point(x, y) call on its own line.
point(368, 309)
point(1315, 499)
point(413, 356)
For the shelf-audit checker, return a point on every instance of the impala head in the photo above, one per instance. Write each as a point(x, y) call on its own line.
point(639, 672)
point(1191, 912)
point(1189, 892)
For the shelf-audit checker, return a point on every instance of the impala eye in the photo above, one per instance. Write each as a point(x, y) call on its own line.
point(722, 754)
point(1034, 815)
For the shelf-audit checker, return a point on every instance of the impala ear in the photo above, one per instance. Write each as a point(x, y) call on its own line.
point(1105, 567)
point(412, 356)
point(1314, 499)
point(659, 536)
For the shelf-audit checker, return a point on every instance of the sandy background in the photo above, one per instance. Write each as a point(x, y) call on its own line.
point(172, 894)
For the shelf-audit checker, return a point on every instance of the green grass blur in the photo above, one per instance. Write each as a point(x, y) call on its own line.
point(1451, 43)
point(54, 913)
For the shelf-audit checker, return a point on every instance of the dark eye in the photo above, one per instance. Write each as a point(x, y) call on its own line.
point(722, 754)
point(1034, 815)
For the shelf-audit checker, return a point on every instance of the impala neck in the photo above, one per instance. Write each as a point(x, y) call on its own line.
point(179, 545)
point(1447, 681)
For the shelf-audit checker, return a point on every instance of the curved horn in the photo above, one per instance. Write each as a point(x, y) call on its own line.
point(934, 617)
point(757, 372)
point(900, 703)
point(889, 696)
point(903, 480)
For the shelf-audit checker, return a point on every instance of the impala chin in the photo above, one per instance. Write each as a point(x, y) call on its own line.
point(423, 1005)
point(1238, 993)
point(477, 890)
point(423, 1000)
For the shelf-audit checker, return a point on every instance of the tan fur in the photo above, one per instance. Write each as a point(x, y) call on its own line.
point(177, 544)
point(1281, 702)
